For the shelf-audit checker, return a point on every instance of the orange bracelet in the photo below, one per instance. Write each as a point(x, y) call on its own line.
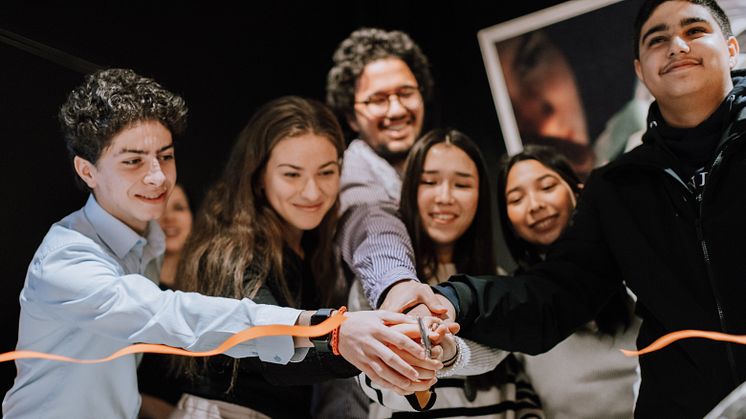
point(335, 333)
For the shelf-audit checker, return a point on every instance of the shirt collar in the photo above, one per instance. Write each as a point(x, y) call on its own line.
point(389, 177)
point(120, 238)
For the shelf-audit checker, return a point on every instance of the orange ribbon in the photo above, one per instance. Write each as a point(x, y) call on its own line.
point(327, 326)
point(670, 338)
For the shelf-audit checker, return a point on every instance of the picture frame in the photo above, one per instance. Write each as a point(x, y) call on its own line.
point(565, 76)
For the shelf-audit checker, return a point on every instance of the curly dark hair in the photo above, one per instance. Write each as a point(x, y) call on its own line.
point(364, 46)
point(110, 100)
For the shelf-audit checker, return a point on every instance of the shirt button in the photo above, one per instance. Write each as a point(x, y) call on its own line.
point(277, 358)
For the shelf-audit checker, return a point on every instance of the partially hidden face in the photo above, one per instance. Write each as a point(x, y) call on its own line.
point(176, 220)
point(301, 180)
point(448, 194)
point(543, 89)
point(684, 52)
point(539, 202)
point(392, 133)
point(134, 175)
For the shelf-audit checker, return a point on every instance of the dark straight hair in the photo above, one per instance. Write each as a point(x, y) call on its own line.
point(524, 253)
point(474, 251)
point(617, 313)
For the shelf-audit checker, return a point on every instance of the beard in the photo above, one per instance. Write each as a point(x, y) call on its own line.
point(393, 157)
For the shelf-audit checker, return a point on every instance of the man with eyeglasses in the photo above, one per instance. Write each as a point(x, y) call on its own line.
point(379, 85)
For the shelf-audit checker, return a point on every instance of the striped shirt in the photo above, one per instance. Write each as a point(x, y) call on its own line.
point(373, 240)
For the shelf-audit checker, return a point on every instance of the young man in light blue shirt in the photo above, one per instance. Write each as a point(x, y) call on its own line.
point(91, 287)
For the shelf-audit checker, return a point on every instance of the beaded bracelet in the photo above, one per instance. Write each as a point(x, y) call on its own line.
point(335, 333)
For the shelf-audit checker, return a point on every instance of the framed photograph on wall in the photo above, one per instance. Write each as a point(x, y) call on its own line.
point(564, 76)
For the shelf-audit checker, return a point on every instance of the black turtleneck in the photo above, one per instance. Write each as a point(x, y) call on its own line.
point(694, 147)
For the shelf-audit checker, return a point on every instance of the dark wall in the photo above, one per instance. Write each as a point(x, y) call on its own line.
point(225, 62)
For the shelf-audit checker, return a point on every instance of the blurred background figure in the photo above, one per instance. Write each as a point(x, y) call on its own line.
point(160, 388)
point(584, 376)
point(736, 11)
point(176, 223)
point(545, 96)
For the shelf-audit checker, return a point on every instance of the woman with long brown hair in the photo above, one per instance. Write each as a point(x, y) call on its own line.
point(265, 231)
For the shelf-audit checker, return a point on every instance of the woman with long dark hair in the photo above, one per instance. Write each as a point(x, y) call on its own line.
point(446, 207)
point(265, 231)
point(585, 376)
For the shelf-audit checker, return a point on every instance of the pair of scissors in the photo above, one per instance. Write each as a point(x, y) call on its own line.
point(425, 338)
point(423, 400)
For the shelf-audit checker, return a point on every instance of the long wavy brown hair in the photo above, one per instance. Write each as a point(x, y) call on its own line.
point(237, 241)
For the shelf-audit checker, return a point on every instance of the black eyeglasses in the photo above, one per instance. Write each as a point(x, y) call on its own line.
point(378, 104)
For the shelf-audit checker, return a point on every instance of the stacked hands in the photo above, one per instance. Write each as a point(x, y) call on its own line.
point(386, 344)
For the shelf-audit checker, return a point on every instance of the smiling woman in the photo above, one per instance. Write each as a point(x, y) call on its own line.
point(584, 376)
point(446, 206)
point(265, 232)
point(301, 183)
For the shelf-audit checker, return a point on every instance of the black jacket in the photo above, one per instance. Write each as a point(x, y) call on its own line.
point(680, 253)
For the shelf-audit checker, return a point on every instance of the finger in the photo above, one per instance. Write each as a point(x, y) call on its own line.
point(391, 376)
point(407, 306)
point(420, 310)
point(431, 364)
point(402, 370)
point(389, 317)
point(436, 352)
point(401, 341)
point(419, 364)
point(410, 329)
point(427, 297)
point(422, 385)
point(425, 374)
point(448, 327)
point(397, 366)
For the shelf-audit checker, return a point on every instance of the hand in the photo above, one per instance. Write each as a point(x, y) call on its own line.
point(447, 345)
point(440, 334)
point(368, 343)
point(423, 311)
point(426, 368)
point(406, 294)
point(435, 326)
point(450, 309)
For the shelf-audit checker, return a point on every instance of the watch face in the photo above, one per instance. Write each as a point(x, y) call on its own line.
point(321, 342)
point(320, 316)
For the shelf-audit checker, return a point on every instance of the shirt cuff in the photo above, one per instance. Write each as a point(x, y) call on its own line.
point(450, 293)
point(386, 285)
point(276, 349)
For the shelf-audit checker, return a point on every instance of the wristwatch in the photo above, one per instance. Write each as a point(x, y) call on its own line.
point(321, 343)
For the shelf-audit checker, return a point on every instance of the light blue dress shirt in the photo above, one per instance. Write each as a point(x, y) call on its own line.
point(85, 297)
